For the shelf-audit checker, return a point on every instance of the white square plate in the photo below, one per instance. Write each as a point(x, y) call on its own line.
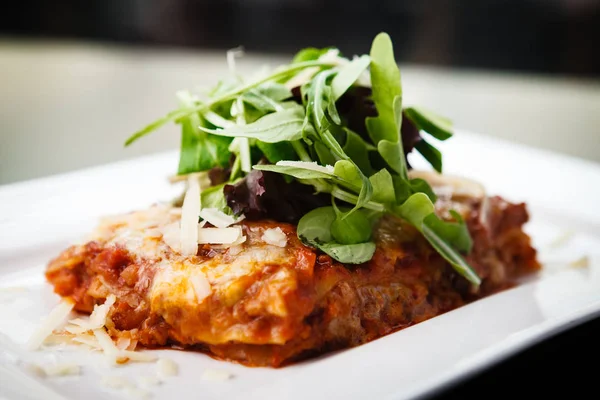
point(40, 218)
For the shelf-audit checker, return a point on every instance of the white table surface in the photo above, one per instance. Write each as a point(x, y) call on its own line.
point(66, 105)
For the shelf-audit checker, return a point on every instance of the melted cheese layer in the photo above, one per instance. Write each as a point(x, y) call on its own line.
point(239, 293)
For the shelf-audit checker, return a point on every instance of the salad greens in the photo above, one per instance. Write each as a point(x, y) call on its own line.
point(318, 228)
point(286, 147)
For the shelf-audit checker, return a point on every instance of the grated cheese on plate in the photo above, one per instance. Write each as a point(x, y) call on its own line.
point(123, 343)
point(53, 321)
point(96, 320)
point(108, 346)
point(137, 393)
point(116, 382)
point(215, 375)
point(87, 339)
point(583, 262)
point(62, 369)
point(149, 381)
point(166, 368)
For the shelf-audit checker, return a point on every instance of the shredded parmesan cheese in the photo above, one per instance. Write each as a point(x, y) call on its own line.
point(166, 368)
point(106, 343)
point(64, 369)
point(231, 55)
point(96, 320)
point(35, 370)
point(219, 235)
point(215, 375)
point(58, 339)
point(562, 239)
point(583, 262)
point(54, 320)
point(275, 237)
point(171, 235)
point(332, 56)
point(149, 381)
point(116, 356)
point(137, 393)
point(218, 218)
point(48, 371)
point(116, 382)
point(302, 77)
point(189, 218)
point(136, 356)
point(123, 343)
point(201, 286)
point(87, 339)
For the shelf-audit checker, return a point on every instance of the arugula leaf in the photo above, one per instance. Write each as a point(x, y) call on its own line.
point(437, 126)
point(280, 73)
point(419, 185)
point(387, 88)
point(318, 99)
point(344, 174)
point(415, 209)
point(224, 86)
point(455, 233)
point(431, 154)
point(358, 151)
point(274, 91)
point(265, 120)
point(323, 153)
point(309, 54)
point(332, 114)
point(457, 262)
point(348, 75)
point(350, 228)
point(384, 129)
point(314, 229)
point(213, 197)
point(171, 116)
point(189, 156)
point(297, 172)
point(393, 155)
point(442, 235)
point(383, 187)
point(267, 97)
point(347, 253)
point(199, 151)
point(260, 102)
point(349, 172)
point(275, 152)
point(284, 125)
point(402, 189)
point(215, 119)
point(316, 225)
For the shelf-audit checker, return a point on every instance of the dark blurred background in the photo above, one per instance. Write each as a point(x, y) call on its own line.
point(541, 36)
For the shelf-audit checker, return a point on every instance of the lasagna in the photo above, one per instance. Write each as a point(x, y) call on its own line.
point(303, 228)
